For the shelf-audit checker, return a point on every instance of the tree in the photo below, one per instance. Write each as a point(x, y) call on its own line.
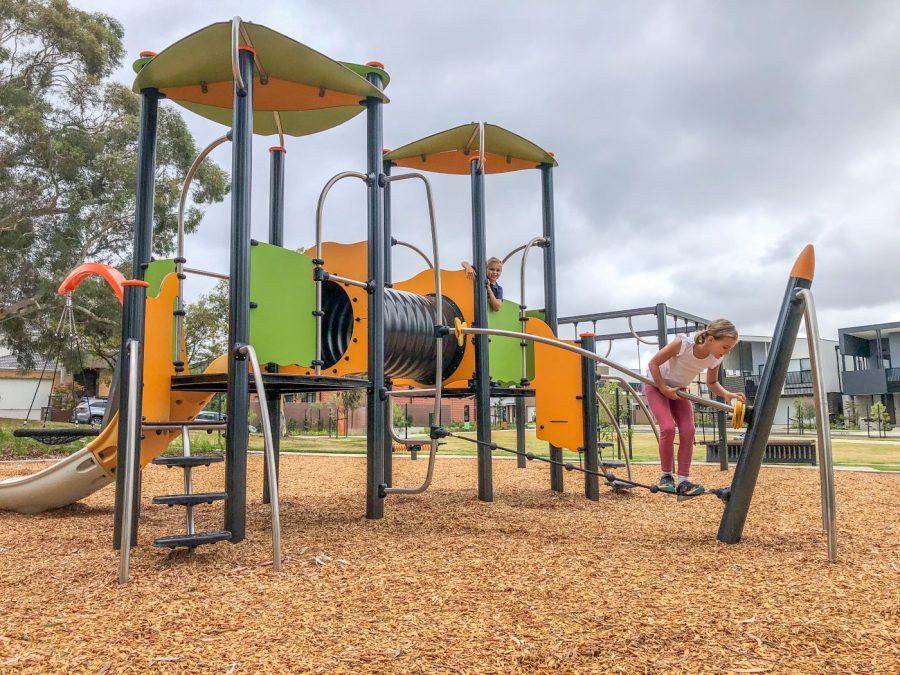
point(68, 161)
point(206, 326)
point(803, 410)
point(350, 400)
point(880, 415)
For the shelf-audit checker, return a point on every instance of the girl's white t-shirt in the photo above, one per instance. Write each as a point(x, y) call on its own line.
point(681, 369)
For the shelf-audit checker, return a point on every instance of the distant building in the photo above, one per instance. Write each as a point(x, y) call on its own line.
point(870, 366)
point(19, 387)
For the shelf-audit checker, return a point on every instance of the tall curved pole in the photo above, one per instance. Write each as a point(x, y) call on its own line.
point(439, 338)
point(637, 397)
point(536, 241)
point(618, 430)
point(318, 262)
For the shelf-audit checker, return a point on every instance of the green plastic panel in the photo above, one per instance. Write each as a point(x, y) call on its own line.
point(282, 326)
point(537, 313)
point(155, 273)
point(505, 353)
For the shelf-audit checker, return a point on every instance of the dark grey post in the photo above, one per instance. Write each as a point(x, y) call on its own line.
point(662, 328)
point(550, 315)
point(135, 297)
point(388, 281)
point(770, 385)
point(238, 403)
point(520, 431)
point(376, 396)
point(589, 416)
point(276, 237)
point(482, 366)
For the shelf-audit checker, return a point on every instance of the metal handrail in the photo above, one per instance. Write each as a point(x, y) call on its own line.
point(615, 423)
point(319, 208)
point(179, 258)
point(637, 397)
point(235, 42)
point(133, 348)
point(536, 241)
point(439, 339)
point(638, 337)
point(468, 330)
point(397, 242)
point(270, 454)
point(205, 273)
point(826, 464)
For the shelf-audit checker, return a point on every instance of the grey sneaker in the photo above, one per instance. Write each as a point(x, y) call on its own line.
point(688, 489)
point(667, 483)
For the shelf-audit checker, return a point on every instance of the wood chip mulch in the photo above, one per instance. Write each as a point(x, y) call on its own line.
point(533, 582)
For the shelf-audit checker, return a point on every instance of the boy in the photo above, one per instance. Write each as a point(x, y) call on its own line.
point(494, 289)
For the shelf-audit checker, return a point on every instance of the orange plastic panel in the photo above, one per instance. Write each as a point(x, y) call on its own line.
point(276, 95)
point(109, 273)
point(557, 385)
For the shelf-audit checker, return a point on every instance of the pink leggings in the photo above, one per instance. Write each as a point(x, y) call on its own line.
point(670, 414)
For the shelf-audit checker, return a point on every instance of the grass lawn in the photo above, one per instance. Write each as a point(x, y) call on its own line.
point(882, 454)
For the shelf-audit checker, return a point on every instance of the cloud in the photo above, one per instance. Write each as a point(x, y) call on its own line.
point(701, 144)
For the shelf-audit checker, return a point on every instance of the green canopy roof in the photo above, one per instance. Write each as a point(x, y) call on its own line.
point(309, 91)
point(453, 150)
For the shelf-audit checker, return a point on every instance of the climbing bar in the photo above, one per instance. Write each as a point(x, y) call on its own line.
point(461, 329)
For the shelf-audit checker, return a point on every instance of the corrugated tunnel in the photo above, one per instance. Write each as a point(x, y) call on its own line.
point(409, 344)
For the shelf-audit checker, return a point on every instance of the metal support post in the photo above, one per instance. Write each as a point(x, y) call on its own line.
point(276, 238)
point(388, 281)
point(134, 298)
point(550, 315)
point(238, 403)
point(589, 416)
point(482, 365)
point(770, 386)
point(520, 431)
point(723, 429)
point(376, 398)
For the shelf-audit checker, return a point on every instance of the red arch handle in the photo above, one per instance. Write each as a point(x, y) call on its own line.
point(112, 276)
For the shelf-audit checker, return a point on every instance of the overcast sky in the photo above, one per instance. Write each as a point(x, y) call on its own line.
point(701, 144)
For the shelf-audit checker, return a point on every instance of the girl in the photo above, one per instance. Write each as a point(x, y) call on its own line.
point(672, 368)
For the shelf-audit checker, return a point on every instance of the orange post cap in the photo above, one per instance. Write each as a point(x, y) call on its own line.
point(805, 265)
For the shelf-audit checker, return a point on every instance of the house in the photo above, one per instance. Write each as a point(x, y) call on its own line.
point(744, 366)
point(870, 366)
point(21, 389)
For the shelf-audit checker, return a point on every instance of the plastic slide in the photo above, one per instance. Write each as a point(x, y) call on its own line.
point(93, 467)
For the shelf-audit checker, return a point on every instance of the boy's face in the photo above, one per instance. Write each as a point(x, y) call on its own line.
point(493, 272)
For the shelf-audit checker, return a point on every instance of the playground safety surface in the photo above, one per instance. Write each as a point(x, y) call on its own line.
point(535, 581)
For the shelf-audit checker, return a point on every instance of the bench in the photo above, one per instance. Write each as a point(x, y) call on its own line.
point(777, 452)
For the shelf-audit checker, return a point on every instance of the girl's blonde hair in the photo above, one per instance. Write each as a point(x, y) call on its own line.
point(718, 329)
point(492, 260)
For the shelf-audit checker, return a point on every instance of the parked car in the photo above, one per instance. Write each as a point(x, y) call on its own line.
point(213, 416)
point(90, 410)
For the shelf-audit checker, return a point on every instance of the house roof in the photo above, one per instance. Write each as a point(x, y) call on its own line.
point(11, 362)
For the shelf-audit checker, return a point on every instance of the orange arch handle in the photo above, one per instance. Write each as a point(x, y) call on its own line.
point(112, 276)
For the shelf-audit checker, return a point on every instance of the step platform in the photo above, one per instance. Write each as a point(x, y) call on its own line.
point(192, 540)
point(192, 461)
point(189, 500)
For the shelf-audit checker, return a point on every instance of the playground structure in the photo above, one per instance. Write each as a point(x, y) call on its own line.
point(333, 318)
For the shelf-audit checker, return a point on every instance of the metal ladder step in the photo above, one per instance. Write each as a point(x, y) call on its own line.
point(192, 540)
point(189, 500)
point(192, 461)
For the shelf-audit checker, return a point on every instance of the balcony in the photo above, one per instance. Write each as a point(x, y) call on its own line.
point(796, 383)
point(869, 382)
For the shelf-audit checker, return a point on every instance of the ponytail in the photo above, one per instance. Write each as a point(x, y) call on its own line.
point(718, 329)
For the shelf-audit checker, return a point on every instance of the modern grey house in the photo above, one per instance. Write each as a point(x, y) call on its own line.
point(870, 365)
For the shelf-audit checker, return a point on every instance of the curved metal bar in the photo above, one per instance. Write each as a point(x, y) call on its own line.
point(263, 75)
point(709, 403)
point(235, 43)
point(279, 127)
point(615, 423)
point(347, 280)
point(522, 318)
point(334, 179)
point(513, 252)
point(637, 397)
point(438, 321)
point(270, 455)
point(826, 465)
point(397, 242)
point(638, 337)
point(481, 146)
point(179, 257)
point(133, 347)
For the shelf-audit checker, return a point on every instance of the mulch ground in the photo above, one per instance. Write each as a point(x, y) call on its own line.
point(535, 581)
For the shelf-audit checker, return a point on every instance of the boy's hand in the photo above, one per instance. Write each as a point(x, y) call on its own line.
point(470, 272)
point(490, 291)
